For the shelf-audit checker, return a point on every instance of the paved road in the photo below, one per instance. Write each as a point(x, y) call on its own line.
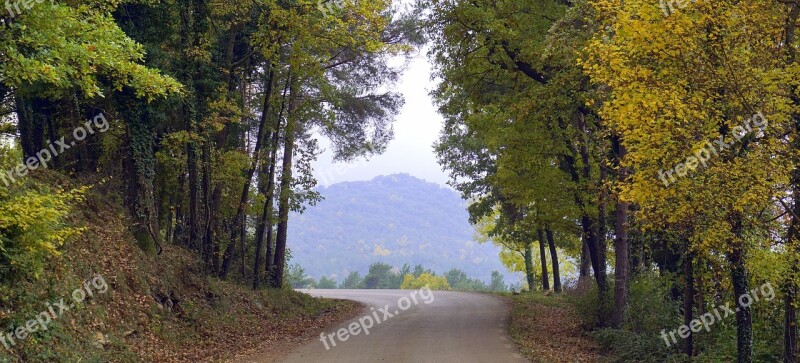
point(417, 326)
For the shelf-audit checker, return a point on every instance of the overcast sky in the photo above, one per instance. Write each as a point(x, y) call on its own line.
point(416, 129)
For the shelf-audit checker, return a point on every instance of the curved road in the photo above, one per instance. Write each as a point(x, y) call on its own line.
point(415, 326)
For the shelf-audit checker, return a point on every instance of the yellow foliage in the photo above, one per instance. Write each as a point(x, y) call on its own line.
point(425, 279)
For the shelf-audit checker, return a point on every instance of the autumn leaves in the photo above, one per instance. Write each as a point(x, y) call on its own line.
point(709, 149)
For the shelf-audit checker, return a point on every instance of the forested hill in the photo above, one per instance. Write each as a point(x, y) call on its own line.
point(394, 219)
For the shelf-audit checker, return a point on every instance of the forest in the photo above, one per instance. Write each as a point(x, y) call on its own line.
point(654, 143)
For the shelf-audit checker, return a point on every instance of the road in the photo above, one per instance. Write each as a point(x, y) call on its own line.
point(417, 326)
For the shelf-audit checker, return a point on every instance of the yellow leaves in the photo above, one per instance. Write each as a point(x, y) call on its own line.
point(425, 280)
point(32, 225)
point(679, 82)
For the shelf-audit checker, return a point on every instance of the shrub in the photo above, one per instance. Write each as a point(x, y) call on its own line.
point(425, 279)
point(32, 223)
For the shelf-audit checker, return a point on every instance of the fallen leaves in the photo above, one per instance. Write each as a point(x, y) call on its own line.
point(547, 330)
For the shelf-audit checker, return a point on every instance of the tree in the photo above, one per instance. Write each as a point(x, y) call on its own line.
point(326, 283)
point(352, 281)
point(497, 284)
point(296, 278)
point(380, 276)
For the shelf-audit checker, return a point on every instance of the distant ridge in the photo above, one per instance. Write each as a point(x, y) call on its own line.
point(394, 219)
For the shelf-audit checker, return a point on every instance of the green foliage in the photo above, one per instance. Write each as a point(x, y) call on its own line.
point(497, 284)
point(326, 283)
point(587, 303)
point(61, 47)
point(380, 276)
point(352, 281)
point(296, 277)
point(33, 223)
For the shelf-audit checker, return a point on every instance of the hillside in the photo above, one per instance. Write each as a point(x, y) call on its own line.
point(140, 308)
point(394, 219)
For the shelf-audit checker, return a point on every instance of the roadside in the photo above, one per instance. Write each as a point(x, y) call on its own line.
point(289, 337)
point(547, 329)
point(136, 307)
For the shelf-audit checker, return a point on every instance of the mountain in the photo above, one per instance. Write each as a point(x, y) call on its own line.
point(395, 219)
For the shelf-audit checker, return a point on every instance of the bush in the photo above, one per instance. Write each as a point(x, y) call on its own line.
point(585, 298)
point(32, 222)
point(425, 279)
point(650, 309)
point(626, 346)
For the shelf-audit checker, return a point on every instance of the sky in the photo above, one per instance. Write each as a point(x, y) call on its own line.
point(416, 128)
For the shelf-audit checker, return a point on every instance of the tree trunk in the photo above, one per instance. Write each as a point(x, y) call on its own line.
point(208, 237)
point(264, 184)
point(554, 258)
point(543, 261)
point(238, 219)
point(621, 250)
point(739, 279)
point(790, 287)
point(529, 274)
point(266, 222)
point(688, 301)
point(790, 322)
point(140, 162)
point(285, 191)
point(586, 262)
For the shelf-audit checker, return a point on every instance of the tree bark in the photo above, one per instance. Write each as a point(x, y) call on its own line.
point(266, 184)
point(285, 191)
point(688, 301)
point(269, 206)
point(140, 161)
point(543, 261)
point(238, 219)
point(554, 258)
point(621, 250)
point(586, 262)
point(739, 279)
point(790, 287)
point(529, 274)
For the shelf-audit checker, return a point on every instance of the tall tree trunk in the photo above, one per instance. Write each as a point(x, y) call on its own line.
point(30, 124)
point(285, 191)
point(208, 236)
point(741, 287)
point(238, 220)
point(543, 261)
point(264, 230)
point(140, 162)
point(790, 286)
point(621, 250)
point(586, 261)
point(554, 258)
point(790, 354)
point(530, 276)
point(688, 300)
point(593, 229)
point(269, 206)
